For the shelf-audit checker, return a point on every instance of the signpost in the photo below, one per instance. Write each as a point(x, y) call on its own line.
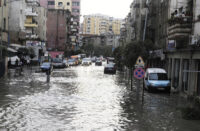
point(139, 74)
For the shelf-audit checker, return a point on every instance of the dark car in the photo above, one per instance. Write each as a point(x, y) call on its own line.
point(98, 63)
point(58, 63)
point(46, 66)
point(110, 69)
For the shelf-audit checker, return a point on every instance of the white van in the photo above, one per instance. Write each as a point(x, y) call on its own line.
point(156, 78)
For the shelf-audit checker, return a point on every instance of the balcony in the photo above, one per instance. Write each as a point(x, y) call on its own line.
point(29, 12)
point(31, 25)
point(179, 28)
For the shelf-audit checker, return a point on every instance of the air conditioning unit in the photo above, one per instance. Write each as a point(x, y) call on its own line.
point(194, 39)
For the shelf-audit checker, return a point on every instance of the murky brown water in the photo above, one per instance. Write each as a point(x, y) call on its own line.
point(84, 99)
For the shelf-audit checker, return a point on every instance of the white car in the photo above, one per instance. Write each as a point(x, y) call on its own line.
point(156, 79)
point(86, 61)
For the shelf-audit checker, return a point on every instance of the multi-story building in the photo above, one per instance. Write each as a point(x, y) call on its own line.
point(100, 24)
point(183, 50)
point(27, 25)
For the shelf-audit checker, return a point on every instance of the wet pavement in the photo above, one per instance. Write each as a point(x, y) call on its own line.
point(84, 99)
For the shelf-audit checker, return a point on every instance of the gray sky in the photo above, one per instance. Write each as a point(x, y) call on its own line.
point(114, 8)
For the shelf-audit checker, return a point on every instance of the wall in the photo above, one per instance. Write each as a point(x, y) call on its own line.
point(44, 3)
point(56, 29)
point(77, 8)
point(64, 6)
point(196, 14)
point(42, 19)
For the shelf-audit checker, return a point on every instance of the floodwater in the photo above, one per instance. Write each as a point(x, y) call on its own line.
point(85, 99)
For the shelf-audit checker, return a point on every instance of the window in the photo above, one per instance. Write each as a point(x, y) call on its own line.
point(75, 3)
point(68, 3)
point(60, 3)
point(158, 76)
point(75, 10)
point(51, 2)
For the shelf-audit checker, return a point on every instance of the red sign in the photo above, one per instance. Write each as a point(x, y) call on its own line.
point(139, 73)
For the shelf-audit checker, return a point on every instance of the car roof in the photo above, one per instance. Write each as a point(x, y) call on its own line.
point(155, 70)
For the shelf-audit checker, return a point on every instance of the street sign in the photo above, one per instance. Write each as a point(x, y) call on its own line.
point(139, 73)
point(139, 62)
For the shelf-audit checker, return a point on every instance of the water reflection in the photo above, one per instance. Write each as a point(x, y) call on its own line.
point(84, 99)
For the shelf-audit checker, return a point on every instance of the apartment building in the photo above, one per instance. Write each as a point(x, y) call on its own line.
point(100, 24)
point(183, 46)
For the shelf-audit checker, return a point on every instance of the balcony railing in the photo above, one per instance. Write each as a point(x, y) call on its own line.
point(179, 27)
point(30, 25)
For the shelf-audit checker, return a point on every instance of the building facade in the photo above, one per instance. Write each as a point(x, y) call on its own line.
point(48, 4)
point(63, 4)
point(56, 29)
point(4, 36)
point(100, 24)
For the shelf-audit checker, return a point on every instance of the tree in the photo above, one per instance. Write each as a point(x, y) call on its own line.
point(117, 54)
point(89, 47)
point(132, 51)
point(22, 52)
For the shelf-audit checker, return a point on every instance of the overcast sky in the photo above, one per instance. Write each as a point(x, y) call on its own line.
point(114, 8)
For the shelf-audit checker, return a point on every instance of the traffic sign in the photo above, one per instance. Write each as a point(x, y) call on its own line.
point(139, 62)
point(139, 73)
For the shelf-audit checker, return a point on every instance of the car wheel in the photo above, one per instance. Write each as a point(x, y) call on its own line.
point(149, 89)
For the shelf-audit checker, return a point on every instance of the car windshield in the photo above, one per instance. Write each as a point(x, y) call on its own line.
point(45, 64)
point(71, 60)
point(57, 60)
point(110, 65)
point(158, 76)
point(87, 59)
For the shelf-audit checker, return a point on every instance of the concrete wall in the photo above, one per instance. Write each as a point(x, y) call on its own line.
point(64, 6)
point(42, 19)
point(17, 16)
point(196, 14)
point(44, 3)
point(56, 29)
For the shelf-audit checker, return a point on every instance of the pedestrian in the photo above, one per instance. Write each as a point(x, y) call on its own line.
point(16, 62)
point(28, 62)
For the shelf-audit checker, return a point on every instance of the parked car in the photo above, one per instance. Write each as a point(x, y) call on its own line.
point(46, 66)
point(110, 60)
point(58, 63)
point(98, 62)
point(72, 62)
point(110, 69)
point(86, 61)
point(156, 79)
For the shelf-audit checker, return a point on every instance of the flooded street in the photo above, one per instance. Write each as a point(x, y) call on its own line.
point(85, 99)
